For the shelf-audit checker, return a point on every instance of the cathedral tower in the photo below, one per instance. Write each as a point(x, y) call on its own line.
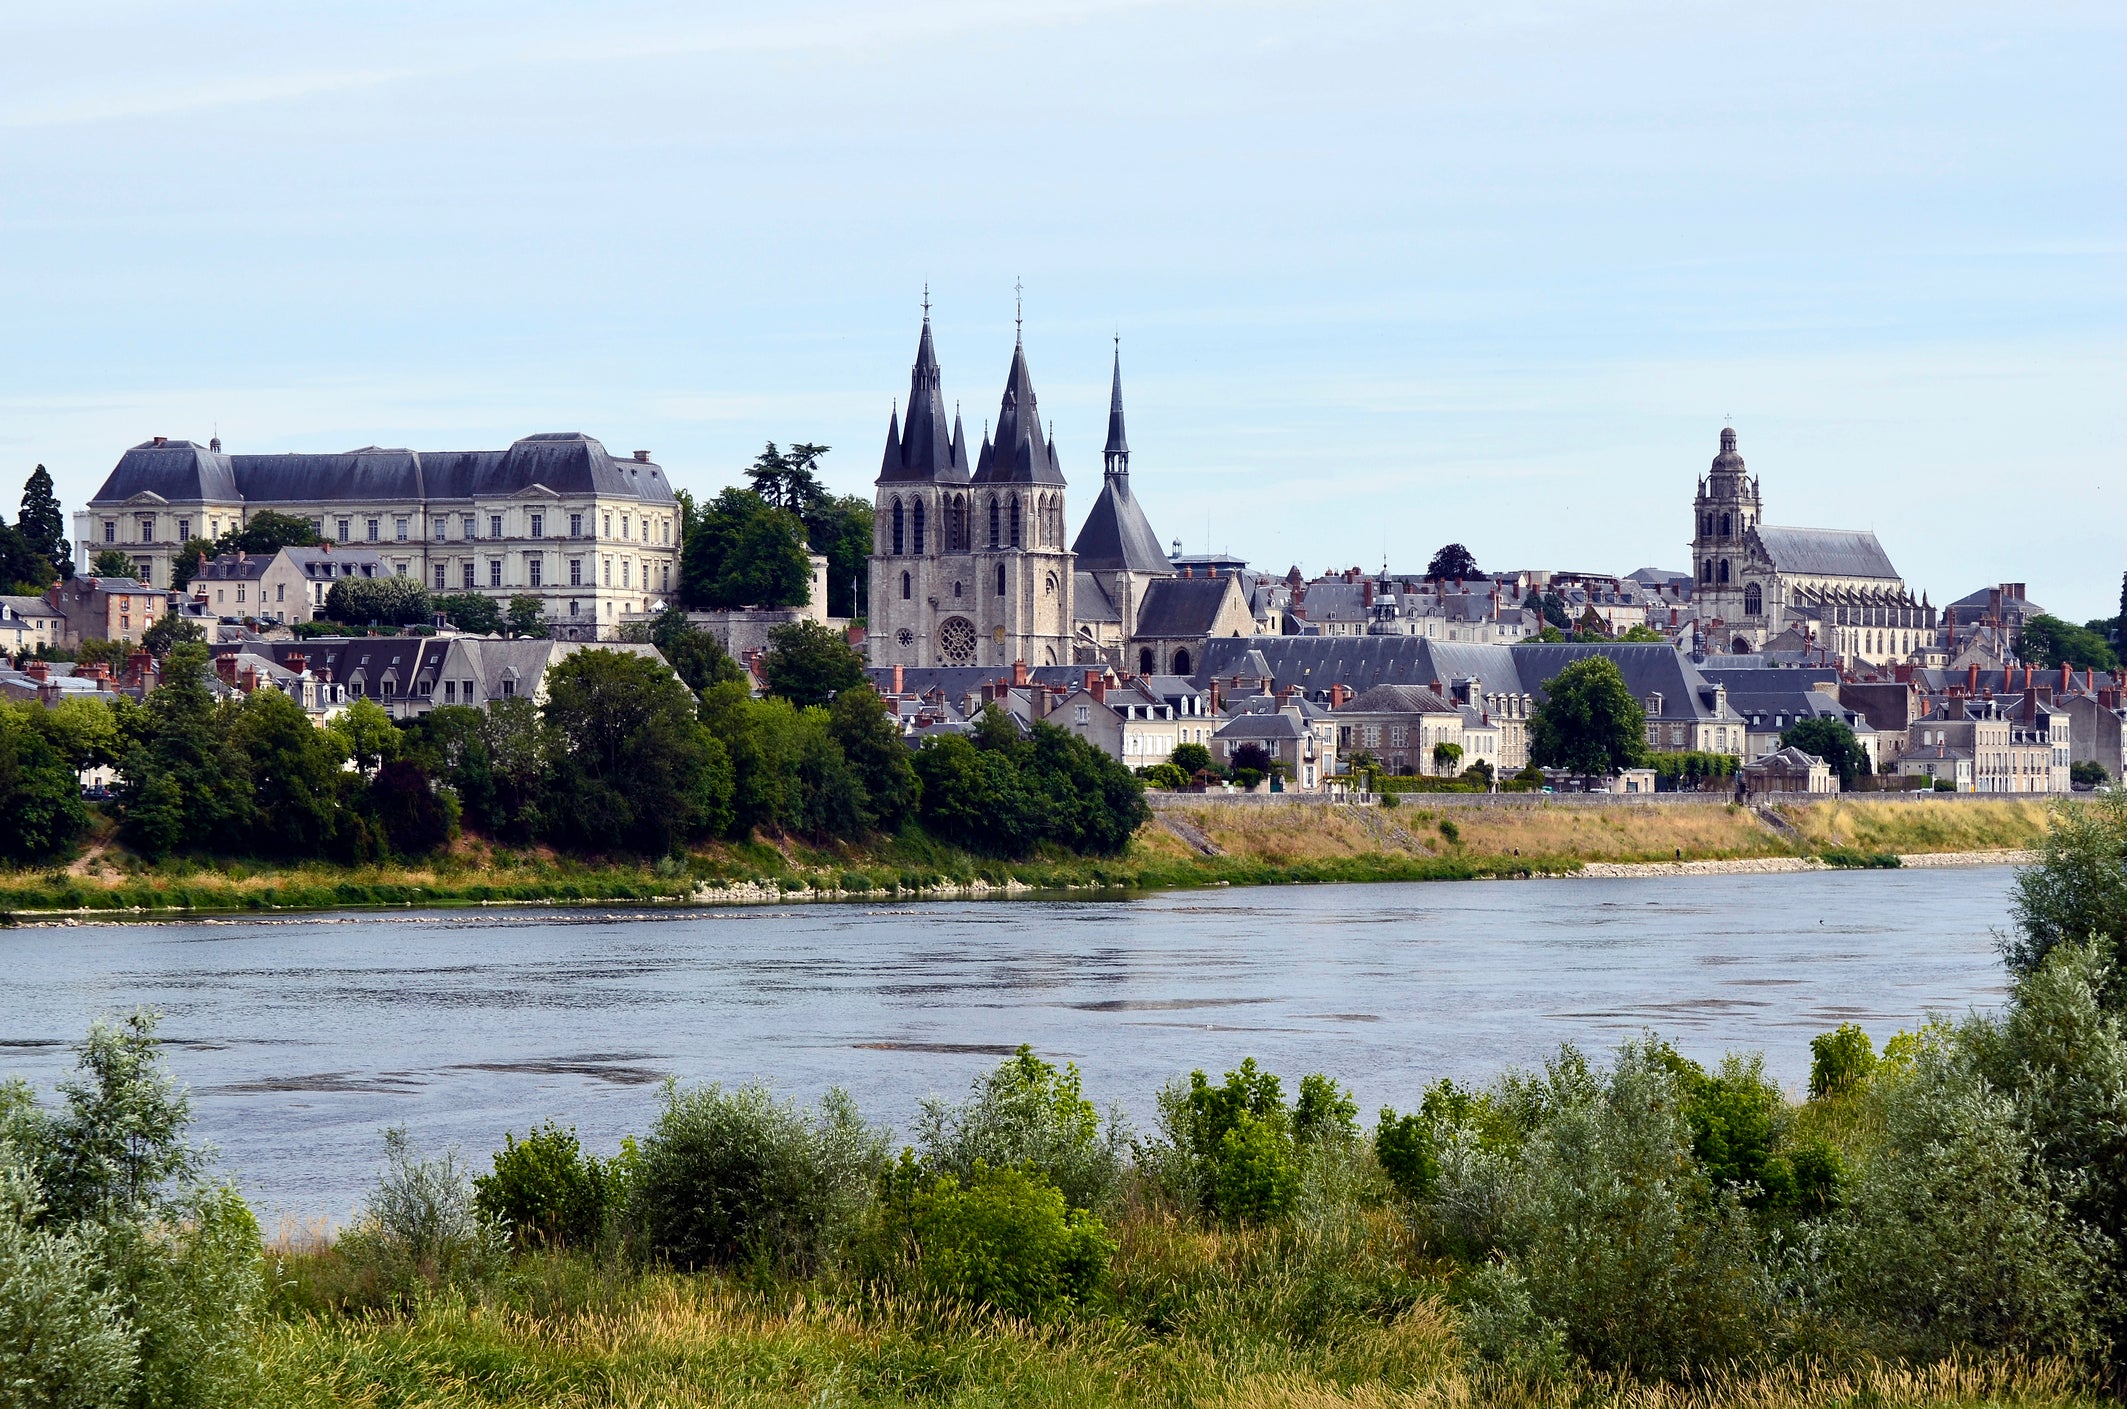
point(1023, 572)
point(1725, 511)
point(919, 542)
point(1116, 547)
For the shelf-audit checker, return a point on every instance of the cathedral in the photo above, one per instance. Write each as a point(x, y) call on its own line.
point(1761, 587)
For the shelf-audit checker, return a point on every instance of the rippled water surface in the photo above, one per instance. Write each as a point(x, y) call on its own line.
point(301, 1039)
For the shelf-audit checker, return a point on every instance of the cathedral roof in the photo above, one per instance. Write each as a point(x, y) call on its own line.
point(1116, 535)
point(1182, 606)
point(1825, 552)
point(1020, 453)
point(927, 449)
point(1118, 443)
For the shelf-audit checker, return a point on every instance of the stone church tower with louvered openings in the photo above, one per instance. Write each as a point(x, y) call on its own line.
point(969, 568)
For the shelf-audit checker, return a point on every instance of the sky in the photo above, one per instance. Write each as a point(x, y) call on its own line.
point(1385, 276)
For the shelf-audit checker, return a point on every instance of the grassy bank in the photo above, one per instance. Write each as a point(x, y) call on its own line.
point(1204, 844)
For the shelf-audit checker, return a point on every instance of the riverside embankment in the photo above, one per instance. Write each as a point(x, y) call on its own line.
point(1191, 841)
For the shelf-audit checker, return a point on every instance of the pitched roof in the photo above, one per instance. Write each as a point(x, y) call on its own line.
point(1398, 699)
point(1116, 535)
point(1091, 602)
point(1825, 552)
point(1118, 443)
point(1182, 606)
point(1021, 452)
point(925, 450)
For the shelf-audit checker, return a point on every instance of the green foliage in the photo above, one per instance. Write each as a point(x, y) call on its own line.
point(63, 1337)
point(412, 819)
point(1164, 775)
point(876, 755)
point(1192, 759)
point(2078, 889)
point(695, 656)
point(2083, 773)
point(294, 768)
point(1404, 1146)
point(808, 664)
point(43, 526)
point(1003, 794)
point(1841, 1061)
point(1831, 740)
point(1029, 1115)
point(1642, 633)
point(1002, 1237)
point(365, 733)
point(526, 616)
point(1694, 768)
point(1230, 1149)
point(169, 630)
point(40, 797)
point(470, 612)
point(266, 532)
point(734, 1177)
point(111, 562)
point(546, 1191)
point(742, 551)
point(2049, 642)
point(184, 785)
point(1588, 722)
point(630, 765)
point(420, 1227)
point(377, 601)
point(1452, 561)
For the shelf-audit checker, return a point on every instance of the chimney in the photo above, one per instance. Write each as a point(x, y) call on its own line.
point(642, 457)
point(139, 664)
point(161, 441)
point(898, 686)
point(1097, 686)
point(1339, 695)
point(1366, 593)
point(1436, 687)
point(248, 682)
point(1188, 570)
point(1972, 678)
point(296, 662)
point(1019, 672)
point(37, 670)
point(225, 666)
point(2089, 680)
point(2067, 677)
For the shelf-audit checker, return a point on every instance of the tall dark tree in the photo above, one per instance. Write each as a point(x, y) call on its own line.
point(469, 612)
point(39, 794)
point(413, 820)
point(630, 766)
point(808, 664)
point(840, 530)
point(877, 754)
point(43, 526)
point(1452, 561)
point(2050, 642)
point(23, 569)
point(295, 776)
point(185, 787)
point(743, 551)
point(1831, 740)
point(1588, 722)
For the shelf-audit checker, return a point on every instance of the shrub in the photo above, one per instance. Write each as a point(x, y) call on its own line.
point(1229, 1149)
point(420, 1225)
point(1404, 1145)
point(1164, 775)
point(1027, 1114)
point(1840, 1061)
point(547, 1192)
point(63, 1340)
point(2078, 889)
point(1191, 759)
point(1004, 1238)
point(735, 1177)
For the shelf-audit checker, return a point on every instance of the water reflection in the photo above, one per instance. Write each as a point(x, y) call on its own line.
point(302, 1038)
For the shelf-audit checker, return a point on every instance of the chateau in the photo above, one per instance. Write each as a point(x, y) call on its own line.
point(1756, 583)
point(554, 516)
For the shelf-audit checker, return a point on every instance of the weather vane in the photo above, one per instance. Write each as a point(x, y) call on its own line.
point(1019, 309)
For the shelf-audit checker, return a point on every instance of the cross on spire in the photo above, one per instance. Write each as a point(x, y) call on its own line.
point(926, 300)
point(1019, 311)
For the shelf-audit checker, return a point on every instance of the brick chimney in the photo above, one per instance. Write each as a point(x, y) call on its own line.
point(161, 441)
point(898, 686)
point(1972, 678)
point(248, 681)
point(642, 457)
point(1097, 686)
point(1019, 672)
point(37, 670)
point(225, 667)
point(1339, 695)
point(1366, 592)
point(296, 662)
point(2067, 677)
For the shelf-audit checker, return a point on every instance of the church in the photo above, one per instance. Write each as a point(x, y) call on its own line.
point(969, 565)
point(1760, 587)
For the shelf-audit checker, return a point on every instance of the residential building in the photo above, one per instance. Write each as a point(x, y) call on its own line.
point(1788, 770)
point(27, 623)
point(1939, 763)
point(104, 609)
point(1401, 726)
point(553, 516)
point(287, 586)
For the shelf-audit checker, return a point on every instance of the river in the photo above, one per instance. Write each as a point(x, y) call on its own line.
point(301, 1038)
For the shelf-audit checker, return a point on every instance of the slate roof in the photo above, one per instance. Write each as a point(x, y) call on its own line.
point(925, 451)
point(1825, 552)
point(958, 681)
point(1269, 725)
point(1118, 443)
point(1116, 534)
point(1091, 602)
point(567, 463)
point(1182, 606)
point(1398, 699)
point(1021, 453)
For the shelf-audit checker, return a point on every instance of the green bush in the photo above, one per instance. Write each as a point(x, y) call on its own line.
point(734, 1177)
point(1404, 1146)
point(1003, 1238)
point(63, 1338)
point(546, 1191)
point(1840, 1061)
point(420, 1227)
point(1028, 1114)
point(1164, 775)
point(1229, 1149)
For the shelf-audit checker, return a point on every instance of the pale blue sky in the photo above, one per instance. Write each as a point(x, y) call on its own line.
point(1386, 275)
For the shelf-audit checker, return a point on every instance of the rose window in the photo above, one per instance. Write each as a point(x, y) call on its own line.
point(956, 640)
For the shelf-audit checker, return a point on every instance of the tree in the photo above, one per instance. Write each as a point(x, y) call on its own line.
point(294, 773)
point(695, 656)
point(365, 734)
point(111, 562)
point(2050, 643)
point(808, 664)
point(630, 765)
point(23, 570)
point(1553, 607)
point(788, 479)
point(1643, 633)
point(469, 612)
point(413, 819)
point(377, 601)
point(876, 754)
point(2077, 893)
point(42, 526)
point(840, 530)
point(1192, 759)
point(1446, 756)
point(1588, 722)
point(742, 551)
point(169, 630)
point(39, 794)
point(1452, 561)
point(184, 786)
point(527, 616)
point(1831, 740)
point(266, 533)
point(2087, 773)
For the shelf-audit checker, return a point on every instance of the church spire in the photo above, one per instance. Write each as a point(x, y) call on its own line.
point(1116, 457)
point(925, 442)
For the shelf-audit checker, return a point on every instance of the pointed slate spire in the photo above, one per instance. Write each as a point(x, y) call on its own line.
point(926, 444)
point(1116, 456)
point(1020, 454)
point(890, 463)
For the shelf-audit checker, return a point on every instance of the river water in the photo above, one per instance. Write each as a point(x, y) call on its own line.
point(302, 1038)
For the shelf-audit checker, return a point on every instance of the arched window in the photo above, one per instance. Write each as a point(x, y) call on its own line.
point(1015, 521)
point(919, 528)
point(1144, 660)
point(993, 521)
point(1753, 600)
point(1722, 576)
point(1706, 571)
point(904, 586)
point(1000, 579)
point(897, 528)
point(1181, 662)
point(1724, 525)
